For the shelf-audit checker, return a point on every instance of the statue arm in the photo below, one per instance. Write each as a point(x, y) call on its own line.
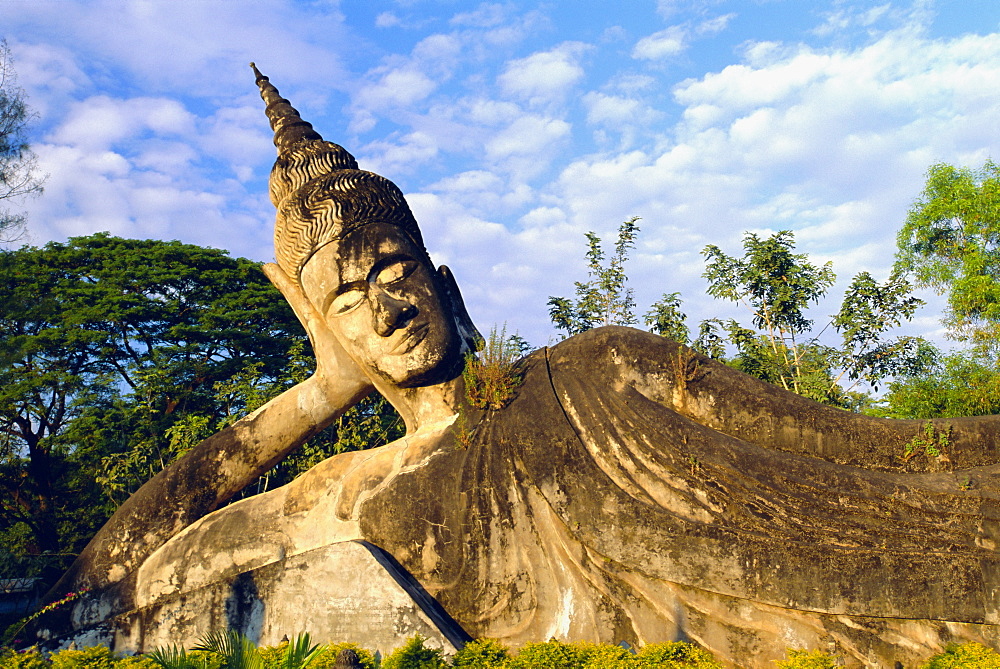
point(216, 469)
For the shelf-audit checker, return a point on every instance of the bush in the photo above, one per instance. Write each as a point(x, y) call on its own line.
point(675, 654)
point(604, 656)
point(967, 655)
point(414, 655)
point(97, 657)
point(807, 659)
point(482, 654)
point(552, 654)
point(328, 658)
point(28, 659)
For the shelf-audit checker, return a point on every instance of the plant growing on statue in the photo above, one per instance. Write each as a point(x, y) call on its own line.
point(932, 441)
point(491, 377)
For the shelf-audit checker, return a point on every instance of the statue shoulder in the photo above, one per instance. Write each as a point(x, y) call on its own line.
point(614, 345)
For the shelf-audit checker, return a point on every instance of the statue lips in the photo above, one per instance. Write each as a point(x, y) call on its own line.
point(410, 339)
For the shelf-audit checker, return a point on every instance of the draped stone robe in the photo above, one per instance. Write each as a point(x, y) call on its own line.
point(636, 491)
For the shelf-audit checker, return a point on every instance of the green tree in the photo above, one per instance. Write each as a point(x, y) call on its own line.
point(953, 385)
point(91, 322)
point(777, 286)
point(951, 243)
point(605, 299)
point(17, 163)
point(118, 355)
point(666, 319)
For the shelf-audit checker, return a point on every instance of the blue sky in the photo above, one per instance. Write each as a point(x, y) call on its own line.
point(516, 127)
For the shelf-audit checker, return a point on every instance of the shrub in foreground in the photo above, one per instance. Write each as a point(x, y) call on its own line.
point(28, 659)
point(967, 655)
point(328, 658)
point(797, 658)
point(675, 654)
point(482, 654)
point(415, 655)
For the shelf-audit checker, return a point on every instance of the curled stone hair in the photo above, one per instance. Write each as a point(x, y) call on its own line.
point(330, 206)
point(318, 190)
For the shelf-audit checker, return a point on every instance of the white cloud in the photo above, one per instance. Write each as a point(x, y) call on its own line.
point(515, 141)
point(387, 20)
point(396, 88)
point(201, 47)
point(662, 44)
point(487, 15)
point(528, 136)
point(99, 122)
point(832, 144)
point(400, 156)
point(545, 76)
point(714, 25)
point(617, 110)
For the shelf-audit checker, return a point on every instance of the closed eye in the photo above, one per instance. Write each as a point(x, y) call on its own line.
point(396, 271)
point(346, 301)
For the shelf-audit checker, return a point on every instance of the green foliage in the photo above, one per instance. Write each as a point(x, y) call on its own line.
point(10, 635)
point(965, 656)
point(675, 654)
point(951, 243)
point(234, 649)
point(97, 657)
point(957, 384)
point(231, 650)
point(328, 658)
point(709, 341)
point(772, 281)
point(868, 312)
point(414, 655)
point(932, 442)
point(806, 659)
point(482, 654)
point(491, 377)
point(105, 345)
point(605, 299)
point(777, 286)
point(31, 658)
point(174, 657)
point(17, 163)
point(666, 319)
point(604, 656)
point(553, 653)
point(300, 653)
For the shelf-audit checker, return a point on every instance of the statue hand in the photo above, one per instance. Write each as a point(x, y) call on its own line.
point(337, 375)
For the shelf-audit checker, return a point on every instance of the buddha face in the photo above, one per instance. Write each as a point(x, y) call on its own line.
point(385, 303)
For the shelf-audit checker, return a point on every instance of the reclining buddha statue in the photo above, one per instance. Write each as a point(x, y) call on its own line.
point(631, 491)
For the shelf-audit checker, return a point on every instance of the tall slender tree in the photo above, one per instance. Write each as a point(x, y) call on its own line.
point(18, 176)
point(605, 299)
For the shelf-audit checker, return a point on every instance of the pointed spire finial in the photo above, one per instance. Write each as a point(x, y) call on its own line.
point(288, 126)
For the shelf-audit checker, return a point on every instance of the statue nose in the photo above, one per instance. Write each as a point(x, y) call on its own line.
point(391, 313)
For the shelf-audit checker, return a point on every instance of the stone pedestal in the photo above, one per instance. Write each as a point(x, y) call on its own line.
point(345, 592)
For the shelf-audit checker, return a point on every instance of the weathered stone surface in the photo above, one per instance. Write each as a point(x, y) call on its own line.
point(632, 490)
point(348, 591)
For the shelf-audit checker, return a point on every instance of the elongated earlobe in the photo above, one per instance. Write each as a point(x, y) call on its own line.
point(466, 328)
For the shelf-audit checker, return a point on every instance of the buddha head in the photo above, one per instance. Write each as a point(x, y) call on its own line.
point(348, 239)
